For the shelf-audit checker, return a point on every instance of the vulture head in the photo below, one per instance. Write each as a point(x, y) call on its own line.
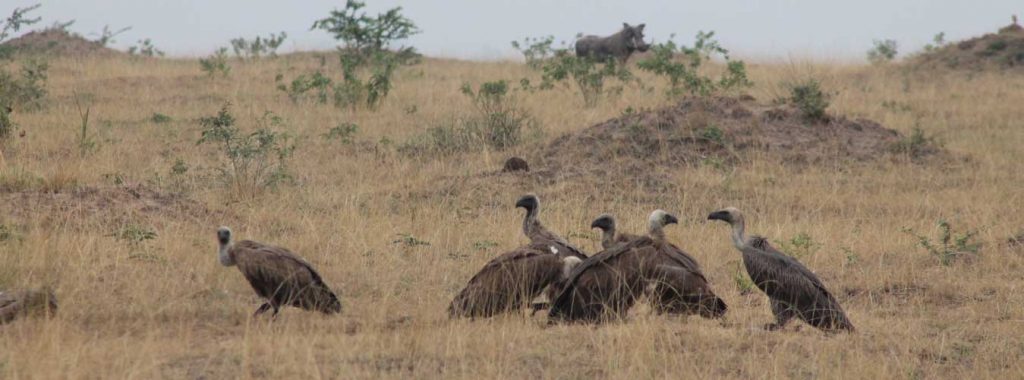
point(529, 201)
point(606, 222)
point(661, 218)
point(729, 215)
point(224, 239)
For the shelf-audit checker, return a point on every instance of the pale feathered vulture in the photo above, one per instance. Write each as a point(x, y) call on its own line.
point(538, 234)
point(679, 286)
point(281, 277)
point(794, 291)
point(511, 281)
point(17, 303)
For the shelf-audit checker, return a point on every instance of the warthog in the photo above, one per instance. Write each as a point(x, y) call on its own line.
point(619, 45)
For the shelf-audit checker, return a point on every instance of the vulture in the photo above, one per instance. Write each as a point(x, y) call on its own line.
point(683, 290)
point(18, 303)
point(512, 280)
point(538, 234)
point(794, 291)
point(515, 278)
point(606, 285)
point(279, 276)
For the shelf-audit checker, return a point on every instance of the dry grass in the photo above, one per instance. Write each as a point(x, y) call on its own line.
point(165, 308)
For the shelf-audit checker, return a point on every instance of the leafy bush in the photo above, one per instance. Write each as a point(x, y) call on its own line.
point(501, 119)
point(344, 132)
point(949, 245)
point(145, 48)
point(258, 47)
point(883, 51)
point(13, 24)
point(106, 36)
point(159, 118)
point(800, 246)
point(916, 145)
point(808, 97)
point(938, 42)
point(7, 126)
point(535, 50)
point(27, 90)
point(255, 161)
point(682, 66)
point(216, 63)
point(315, 86)
point(588, 74)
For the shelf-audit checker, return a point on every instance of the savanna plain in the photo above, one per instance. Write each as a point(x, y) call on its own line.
point(120, 220)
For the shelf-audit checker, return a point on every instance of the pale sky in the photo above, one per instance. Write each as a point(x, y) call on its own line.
point(483, 29)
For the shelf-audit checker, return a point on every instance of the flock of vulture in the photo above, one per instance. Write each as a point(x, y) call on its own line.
point(579, 288)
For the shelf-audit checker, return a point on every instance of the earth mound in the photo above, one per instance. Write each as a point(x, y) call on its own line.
point(648, 148)
point(1000, 51)
point(58, 42)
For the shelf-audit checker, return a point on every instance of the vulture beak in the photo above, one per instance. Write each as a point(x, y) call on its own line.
point(719, 215)
point(671, 219)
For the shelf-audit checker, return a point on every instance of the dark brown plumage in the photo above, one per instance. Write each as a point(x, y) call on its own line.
point(678, 285)
point(17, 303)
point(510, 281)
point(794, 291)
point(515, 164)
point(278, 275)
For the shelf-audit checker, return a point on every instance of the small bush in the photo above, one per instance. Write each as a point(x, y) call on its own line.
point(938, 42)
point(884, 51)
point(257, 47)
point(682, 66)
point(587, 74)
point(216, 63)
point(159, 118)
point(535, 50)
point(345, 133)
point(26, 90)
point(7, 126)
point(800, 246)
point(256, 161)
point(916, 145)
point(949, 244)
point(502, 120)
point(305, 87)
point(13, 24)
point(145, 48)
point(106, 36)
point(810, 100)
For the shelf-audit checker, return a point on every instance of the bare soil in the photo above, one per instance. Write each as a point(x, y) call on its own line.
point(1003, 50)
point(57, 42)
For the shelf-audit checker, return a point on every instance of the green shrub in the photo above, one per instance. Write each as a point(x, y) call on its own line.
point(344, 132)
point(257, 47)
point(535, 50)
point(26, 90)
point(13, 24)
point(365, 35)
point(159, 118)
point(255, 161)
point(808, 97)
point(950, 244)
point(916, 145)
point(216, 63)
point(682, 66)
point(883, 51)
point(145, 48)
point(587, 74)
point(315, 86)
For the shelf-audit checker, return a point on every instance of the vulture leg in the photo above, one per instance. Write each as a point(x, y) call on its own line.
point(783, 314)
point(262, 309)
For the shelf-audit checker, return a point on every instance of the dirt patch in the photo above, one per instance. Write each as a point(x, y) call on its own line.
point(999, 51)
point(57, 42)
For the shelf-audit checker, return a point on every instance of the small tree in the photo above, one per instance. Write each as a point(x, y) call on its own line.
point(883, 52)
point(106, 37)
point(145, 48)
point(938, 41)
point(255, 161)
point(13, 24)
point(216, 63)
point(535, 50)
point(364, 34)
point(682, 66)
point(589, 75)
point(258, 47)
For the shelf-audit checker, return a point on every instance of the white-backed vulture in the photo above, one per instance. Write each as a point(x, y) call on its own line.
point(681, 287)
point(538, 234)
point(281, 277)
point(511, 281)
point(25, 302)
point(606, 285)
point(794, 291)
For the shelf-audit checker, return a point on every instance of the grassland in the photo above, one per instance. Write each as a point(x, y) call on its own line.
point(164, 308)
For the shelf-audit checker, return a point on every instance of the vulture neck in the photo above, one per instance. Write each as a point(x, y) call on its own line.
point(225, 256)
point(530, 224)
point(657, 232)
point(608, 238)
point(739, 239)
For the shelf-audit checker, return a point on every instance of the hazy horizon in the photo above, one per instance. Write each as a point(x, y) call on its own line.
point(761, 29)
